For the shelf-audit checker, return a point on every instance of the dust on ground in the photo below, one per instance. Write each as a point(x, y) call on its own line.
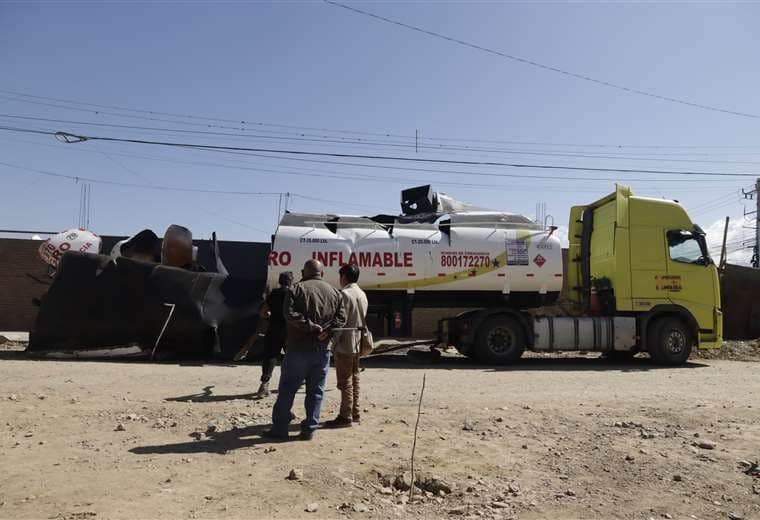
point(733, 350)
point(546, 438)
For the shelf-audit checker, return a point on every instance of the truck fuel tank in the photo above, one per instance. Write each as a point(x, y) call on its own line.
point(600, 334)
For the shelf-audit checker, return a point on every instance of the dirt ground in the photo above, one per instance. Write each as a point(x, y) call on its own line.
point(548, 438)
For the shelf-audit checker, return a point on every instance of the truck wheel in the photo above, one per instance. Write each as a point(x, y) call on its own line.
point(671, 341)
point(500, 340)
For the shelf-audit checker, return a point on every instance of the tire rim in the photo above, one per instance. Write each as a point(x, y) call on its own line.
point(500, 340)
point(675, 342)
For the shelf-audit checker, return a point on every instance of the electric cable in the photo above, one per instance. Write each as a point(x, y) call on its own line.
point(532, 63)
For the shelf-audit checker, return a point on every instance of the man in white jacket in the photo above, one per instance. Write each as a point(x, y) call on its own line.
point(346, 348)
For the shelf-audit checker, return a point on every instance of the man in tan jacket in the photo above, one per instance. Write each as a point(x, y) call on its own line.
point(347, 346)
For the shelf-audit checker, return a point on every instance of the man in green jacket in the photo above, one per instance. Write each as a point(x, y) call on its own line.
point(312, 308)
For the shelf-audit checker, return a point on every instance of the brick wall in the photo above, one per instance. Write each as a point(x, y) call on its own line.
point(23, 276)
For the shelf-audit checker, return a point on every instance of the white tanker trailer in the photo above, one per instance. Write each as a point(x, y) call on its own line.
point(444, 256)
point(443, 253)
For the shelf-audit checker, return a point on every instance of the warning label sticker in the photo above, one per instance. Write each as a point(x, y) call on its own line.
point(668, 283)
point(517, 252)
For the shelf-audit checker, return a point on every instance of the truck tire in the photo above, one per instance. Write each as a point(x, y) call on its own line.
point(670, 341)
point(500, 340)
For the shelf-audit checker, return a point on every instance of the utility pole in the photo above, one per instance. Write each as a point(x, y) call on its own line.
point(85, 194)
point(723, 251)
point(756, 256)
point(755, 194)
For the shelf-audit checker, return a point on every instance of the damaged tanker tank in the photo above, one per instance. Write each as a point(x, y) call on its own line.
point(439, 252)
point(127, 304)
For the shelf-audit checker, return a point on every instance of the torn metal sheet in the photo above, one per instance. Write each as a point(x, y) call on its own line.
point(96, 301)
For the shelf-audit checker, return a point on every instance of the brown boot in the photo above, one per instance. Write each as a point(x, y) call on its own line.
point(338, 422)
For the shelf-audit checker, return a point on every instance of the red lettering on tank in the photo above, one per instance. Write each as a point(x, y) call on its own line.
point(276, 258)
point(64, 247)
point(360, 259)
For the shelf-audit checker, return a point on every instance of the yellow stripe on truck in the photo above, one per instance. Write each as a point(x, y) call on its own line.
point(501, 261)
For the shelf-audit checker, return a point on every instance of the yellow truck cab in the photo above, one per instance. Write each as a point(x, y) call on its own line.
point(645, 258)
point(639, 279)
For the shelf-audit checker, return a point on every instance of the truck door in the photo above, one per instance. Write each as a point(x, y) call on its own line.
point(690, 281)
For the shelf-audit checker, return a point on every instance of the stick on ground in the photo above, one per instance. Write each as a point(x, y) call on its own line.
point(416, 426)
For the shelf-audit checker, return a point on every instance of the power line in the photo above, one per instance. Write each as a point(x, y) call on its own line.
point(730, 197)
point(461, 172)
point(79, 178)
point(437, 181)
point(68, 136)
point(20, 97)
point(320, 139)
point(151, 186)
point(310, 172)
point(184, 116)
point(542, 153)
point(538, 65)
point(709, 208)
point(74, 138)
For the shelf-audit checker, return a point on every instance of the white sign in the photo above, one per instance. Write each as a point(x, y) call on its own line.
point(80, 240)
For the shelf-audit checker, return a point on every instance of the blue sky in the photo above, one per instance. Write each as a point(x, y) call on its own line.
point(312, 65)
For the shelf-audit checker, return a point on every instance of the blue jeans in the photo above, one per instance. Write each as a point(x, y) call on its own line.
point(312, 367)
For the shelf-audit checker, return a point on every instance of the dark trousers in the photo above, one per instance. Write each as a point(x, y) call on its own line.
point(267, 368)
point(274, 347)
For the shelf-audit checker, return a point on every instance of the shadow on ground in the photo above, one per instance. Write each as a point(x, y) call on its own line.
point(411, 359)
point(207, 396)
point(219, 442)
point(427, 360)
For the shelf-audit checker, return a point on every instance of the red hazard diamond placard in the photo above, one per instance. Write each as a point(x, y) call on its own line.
point(539, 260)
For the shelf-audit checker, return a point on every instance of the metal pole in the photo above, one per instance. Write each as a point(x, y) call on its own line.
point(723, 255)
point(755, 258)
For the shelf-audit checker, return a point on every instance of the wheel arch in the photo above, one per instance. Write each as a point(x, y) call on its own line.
point(661, 311)
point(523, 319)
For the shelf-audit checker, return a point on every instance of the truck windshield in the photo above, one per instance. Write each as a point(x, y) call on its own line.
point(687, 247)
